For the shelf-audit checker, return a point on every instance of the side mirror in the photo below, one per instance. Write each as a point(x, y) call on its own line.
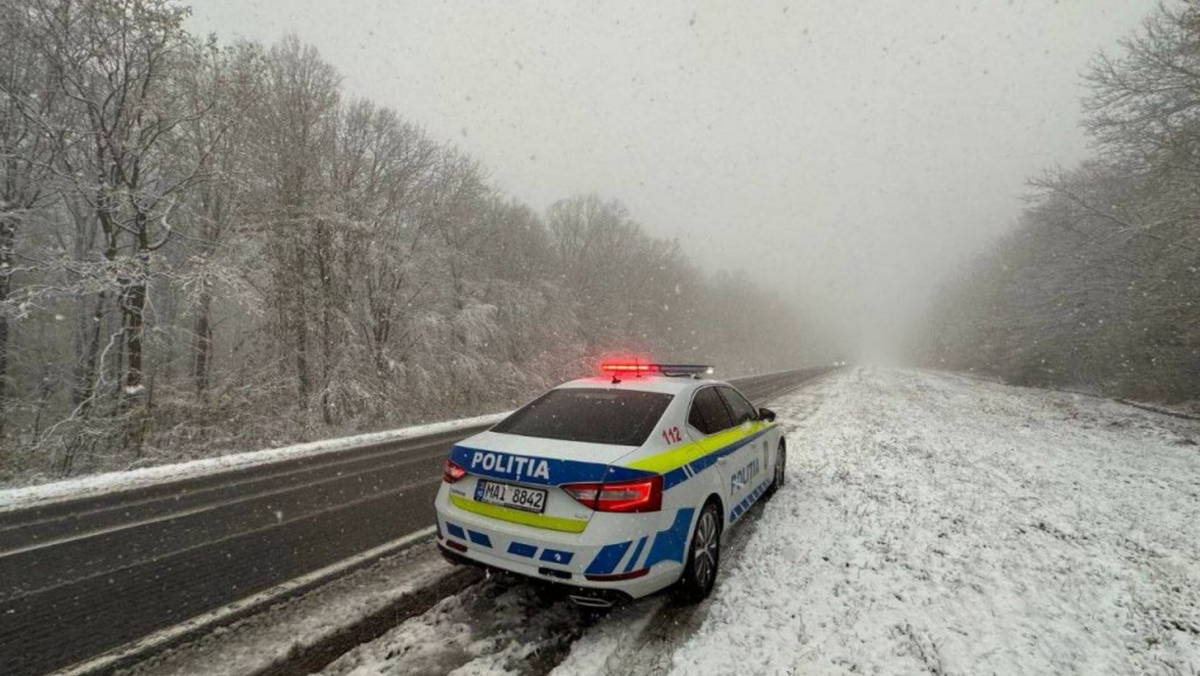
point(766, 414)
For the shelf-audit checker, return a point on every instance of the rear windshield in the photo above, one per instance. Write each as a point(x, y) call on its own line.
point(618, 417)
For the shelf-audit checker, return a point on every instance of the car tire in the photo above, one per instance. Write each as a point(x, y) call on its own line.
point(703, 555)
point(780, 477)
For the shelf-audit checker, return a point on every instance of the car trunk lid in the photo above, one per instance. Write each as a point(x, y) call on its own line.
point(506, 472)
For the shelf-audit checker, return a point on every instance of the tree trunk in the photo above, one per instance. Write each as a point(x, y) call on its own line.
point(134, 308)
point(203, 341)
point(86, 389)
point(214, 209)
point(300, 328)
point(323, 269)
point(8, 229)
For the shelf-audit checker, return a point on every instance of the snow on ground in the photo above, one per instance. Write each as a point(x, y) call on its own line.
point(20, 498)
point(499, 626)
point(936, 524)
point(261, 642)
point(932, 524)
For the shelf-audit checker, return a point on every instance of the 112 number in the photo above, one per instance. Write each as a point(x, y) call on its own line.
point(672, 435)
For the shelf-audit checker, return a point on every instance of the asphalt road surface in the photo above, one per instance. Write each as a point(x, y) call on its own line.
point(79, 578)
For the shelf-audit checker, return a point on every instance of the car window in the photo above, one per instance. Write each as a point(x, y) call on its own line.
point(740, 409)
point(709, 414)
point(598, 416)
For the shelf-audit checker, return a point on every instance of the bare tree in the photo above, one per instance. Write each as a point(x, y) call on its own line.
point(30, 140)
point(229, 255)
point(1097, 287)
point(295, 133)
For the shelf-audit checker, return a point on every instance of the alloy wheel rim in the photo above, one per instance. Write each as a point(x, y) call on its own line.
point(704, 557)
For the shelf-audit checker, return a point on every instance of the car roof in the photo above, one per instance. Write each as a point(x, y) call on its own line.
point(644, 383)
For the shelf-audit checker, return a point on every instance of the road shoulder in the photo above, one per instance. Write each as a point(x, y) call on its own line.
point(305, 632)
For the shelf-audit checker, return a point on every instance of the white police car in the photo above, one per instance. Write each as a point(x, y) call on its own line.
point(618, 486)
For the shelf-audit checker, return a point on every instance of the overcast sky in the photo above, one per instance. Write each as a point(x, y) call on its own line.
point(849, 154)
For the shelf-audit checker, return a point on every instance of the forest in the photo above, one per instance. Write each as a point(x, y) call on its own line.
point(1098, 288)
point(209, 247)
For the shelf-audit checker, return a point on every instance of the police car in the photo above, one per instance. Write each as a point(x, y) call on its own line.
point(618, 486)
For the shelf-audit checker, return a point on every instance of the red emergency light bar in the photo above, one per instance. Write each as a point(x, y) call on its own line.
point(630, 368)
point(639, 368)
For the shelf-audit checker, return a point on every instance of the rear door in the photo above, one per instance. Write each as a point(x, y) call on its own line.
point(749, 464)
point(708, 423)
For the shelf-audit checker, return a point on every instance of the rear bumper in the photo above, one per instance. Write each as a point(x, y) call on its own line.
point(582, 595)
point(631, 555)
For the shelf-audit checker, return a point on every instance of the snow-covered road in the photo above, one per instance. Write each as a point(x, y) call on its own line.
point(932, 524)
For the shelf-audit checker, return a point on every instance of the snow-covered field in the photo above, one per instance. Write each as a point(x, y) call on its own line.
point(933, 524)
point(936, 524)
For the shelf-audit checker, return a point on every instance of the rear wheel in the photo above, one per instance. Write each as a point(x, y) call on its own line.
point(780, 476)
point(704, 555)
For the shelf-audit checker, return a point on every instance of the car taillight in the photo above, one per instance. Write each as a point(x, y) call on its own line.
point(639, 495)
point(452, 471)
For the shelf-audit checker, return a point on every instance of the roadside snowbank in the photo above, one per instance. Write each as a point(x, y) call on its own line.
point(936, 524)
point(499, 627)
point(261, 643)
point(87, 486)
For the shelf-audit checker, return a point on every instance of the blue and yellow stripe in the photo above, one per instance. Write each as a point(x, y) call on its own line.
point(679, 464)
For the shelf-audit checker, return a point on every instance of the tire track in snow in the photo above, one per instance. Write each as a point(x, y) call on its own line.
point(666, 622)
point(508, 625)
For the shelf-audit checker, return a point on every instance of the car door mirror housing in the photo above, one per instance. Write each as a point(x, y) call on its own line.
point(766, 414)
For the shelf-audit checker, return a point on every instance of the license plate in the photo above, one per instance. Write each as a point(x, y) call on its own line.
point(508, 495)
